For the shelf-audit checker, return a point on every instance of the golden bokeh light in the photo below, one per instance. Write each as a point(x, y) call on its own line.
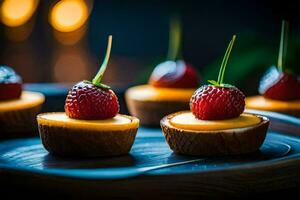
point(17, 12)
point(69, 15)
point(20, 33)
point(72, 64)
point(70, 38)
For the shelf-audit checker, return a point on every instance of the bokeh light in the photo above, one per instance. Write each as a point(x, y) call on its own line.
point(17, 12)
point(72, 64)
point(20, 33)
point(70, 38)
point(69, 15)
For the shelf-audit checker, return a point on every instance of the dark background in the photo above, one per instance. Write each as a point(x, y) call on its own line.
point(140, 31)
point(140, 41)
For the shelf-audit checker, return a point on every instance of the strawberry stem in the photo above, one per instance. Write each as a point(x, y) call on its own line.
point(283, 45)
point(224, 61)
point(174, 39)
point(99, 75)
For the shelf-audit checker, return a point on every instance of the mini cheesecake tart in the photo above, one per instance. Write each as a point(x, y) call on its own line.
point(19, 115)
point(150, 104)
point(18, 108)
point(186, 134)
point(170, 85)
point(279, 87)
point(91, 125)
point(216, 123)
point(262, 103)
point(65, 136)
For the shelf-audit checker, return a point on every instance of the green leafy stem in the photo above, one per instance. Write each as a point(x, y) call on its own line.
point(175, 35)
point(219, 82)
point(283, 45)
point(98, 78)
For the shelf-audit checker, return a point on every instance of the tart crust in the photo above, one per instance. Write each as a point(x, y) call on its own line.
point(215, 142)
point(150, 113)
point(66, 139)
point(151, 104)
point(18, 116)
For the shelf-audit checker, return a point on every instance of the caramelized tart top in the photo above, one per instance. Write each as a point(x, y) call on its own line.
point(27, 100)
point(187, 121)
point(60, 119)
point(261, 103)
point(150, 93)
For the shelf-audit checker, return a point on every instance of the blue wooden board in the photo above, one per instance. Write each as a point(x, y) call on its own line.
point(149, 156)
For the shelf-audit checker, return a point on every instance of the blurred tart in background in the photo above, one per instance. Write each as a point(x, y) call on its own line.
point(279, 88)
point(169, 88)
point(18, 109)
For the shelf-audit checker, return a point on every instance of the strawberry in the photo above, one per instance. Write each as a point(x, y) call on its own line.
point(174, 74)
point(88, 101)
point(215, 103)
point(279, 85)
point(93, 100)
point(10, 84)
point(219, 100)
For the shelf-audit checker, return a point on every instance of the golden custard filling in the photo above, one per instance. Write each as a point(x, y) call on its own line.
point(27, 100)
point(261, 103)
point(187, 121)
point(60, 119)
point(150, 93)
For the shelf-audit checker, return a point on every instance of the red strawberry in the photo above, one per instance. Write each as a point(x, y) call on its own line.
point(93, 100)
point(174, 73)
point(219, 100)
point(279, 85)
point(87, 101)
point(171, 74)
point(215, 103)
point(10, 84)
